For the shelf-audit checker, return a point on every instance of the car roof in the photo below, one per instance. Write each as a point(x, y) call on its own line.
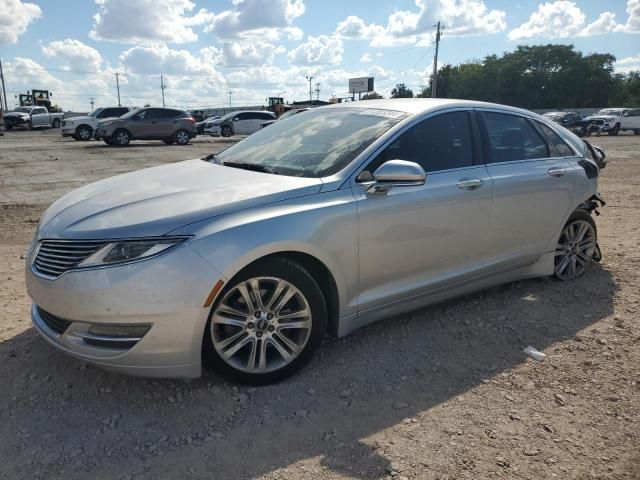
point(418, 106)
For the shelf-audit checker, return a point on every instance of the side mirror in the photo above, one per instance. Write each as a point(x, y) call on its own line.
point(625, 114)
point(396, 173)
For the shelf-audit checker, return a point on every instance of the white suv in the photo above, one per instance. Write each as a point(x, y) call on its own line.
point(82, 128)
point(238, 123)
point(618, 120)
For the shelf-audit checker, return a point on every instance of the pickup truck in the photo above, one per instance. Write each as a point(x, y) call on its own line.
point(32, 117)
point(614, 120)
point(83, 128)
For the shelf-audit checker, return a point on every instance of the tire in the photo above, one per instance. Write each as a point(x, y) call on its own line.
point(235, 344)
point(8, 127)
point(181, 137)
point(576, 247)
point(614, 132)
point(84, 133)
point(226, 131)
point(121, 137)
point(168, 141)
point(108, 141)
point(55, 123)
point(28, 125)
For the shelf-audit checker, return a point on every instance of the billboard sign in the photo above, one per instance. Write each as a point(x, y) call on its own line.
point(361, 85)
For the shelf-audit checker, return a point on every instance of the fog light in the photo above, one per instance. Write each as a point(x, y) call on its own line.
point(119, 331)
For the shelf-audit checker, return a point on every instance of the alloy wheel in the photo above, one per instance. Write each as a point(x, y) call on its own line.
point(261, 325)
point(182, 137)
point(122, 138)
point(575, 249)
point(84, 133)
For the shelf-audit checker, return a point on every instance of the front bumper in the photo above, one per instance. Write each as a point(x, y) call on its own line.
point(213, 131)
point(68, 131)
point(167, 292)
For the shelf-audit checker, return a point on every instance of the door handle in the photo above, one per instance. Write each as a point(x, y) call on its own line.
point(469, 183)
point(556, 172)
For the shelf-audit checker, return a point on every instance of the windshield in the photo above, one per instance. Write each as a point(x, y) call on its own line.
point(95, 112)
point(23, 109)
point(317, 144)
point(553, 116)
point(610, 112)
point(288, 114)
point(131, 113)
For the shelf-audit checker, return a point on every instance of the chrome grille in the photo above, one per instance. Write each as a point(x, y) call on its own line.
point(57, 256)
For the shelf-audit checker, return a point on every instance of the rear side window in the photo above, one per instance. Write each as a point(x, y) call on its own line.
point(438, 143)
point(513, 138)
point(557, 146)
point(264, 116)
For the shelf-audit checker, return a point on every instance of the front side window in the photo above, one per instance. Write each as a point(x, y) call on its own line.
point(513, 138)
point(438, 143)
point(317, 144)
point(556, 144)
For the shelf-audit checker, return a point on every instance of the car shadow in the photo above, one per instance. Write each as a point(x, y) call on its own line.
point(77, 421)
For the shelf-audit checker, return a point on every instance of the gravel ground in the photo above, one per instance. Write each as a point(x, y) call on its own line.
point(442, 393)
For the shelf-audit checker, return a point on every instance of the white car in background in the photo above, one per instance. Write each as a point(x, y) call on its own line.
point(238, 123)
point(615, 120)
point(83, 127)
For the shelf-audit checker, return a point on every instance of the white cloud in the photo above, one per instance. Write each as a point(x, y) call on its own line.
point(366, 58)
point(159, 58)
point(15, 17)
point(628, 64)
point(266, 19)
point(320, 50)
point(147, 21)
point(633, 22)
point(564, 18)
point(236, 54)
point(76, 54)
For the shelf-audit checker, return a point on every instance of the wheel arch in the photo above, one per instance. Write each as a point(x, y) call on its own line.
point(320, 273)
point(84, 125)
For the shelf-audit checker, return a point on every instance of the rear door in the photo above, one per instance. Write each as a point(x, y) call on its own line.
point(169, 122)
point(144, 125)
point(414, 239)
point(533, 188)
point(39, 117)
point(242, 123)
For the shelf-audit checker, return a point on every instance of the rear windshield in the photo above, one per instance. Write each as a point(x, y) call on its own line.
point(317, 144)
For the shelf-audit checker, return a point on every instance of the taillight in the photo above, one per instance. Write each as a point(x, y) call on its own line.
point(192, 120)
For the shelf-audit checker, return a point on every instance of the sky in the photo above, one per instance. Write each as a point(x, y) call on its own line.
point(254, 49)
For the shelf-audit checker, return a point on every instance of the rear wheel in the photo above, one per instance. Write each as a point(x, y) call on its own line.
point(181, 137)
point(226, 131)
point(266, 323)
point(121, 137)
point(614, 131)
point(576, 246)
point(84, 132)
point(55, 123)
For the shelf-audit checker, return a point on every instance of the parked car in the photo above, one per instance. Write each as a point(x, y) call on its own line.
point(615, 120)
point(293, 111)
point(83, 127)
point(32, 117)
point(166, 124)
point(201, 125)
point(323, 222)
point(238, 123)
point(570, 120)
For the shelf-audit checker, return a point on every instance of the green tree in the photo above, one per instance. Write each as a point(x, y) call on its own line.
point(371, 96)
point(401, 91)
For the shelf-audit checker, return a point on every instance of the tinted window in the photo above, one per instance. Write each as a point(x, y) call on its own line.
point(169, 113)
point(513, 138)
point(437, 143)
point(556, 144)
point(112, 112)
point(264, 116)
point(147, 114)
point(38, 111)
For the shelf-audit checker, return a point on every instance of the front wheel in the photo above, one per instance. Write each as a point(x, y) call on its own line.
point(56, 123)
point(181, 137)
point(29, 125)
point(576, 246)
point(107, 140)
point(266, 323)
point(614, 131)
point(226, 131)
point(84, 132)
point(121, 137)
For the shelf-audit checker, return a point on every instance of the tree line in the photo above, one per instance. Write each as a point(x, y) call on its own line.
point(532, 77)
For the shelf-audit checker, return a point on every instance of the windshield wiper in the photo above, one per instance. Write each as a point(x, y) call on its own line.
point(210, 157)
point(251, 166)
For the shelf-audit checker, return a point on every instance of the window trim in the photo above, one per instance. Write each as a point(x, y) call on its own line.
point(487, 142)
point(374, 155)
point(535, 124)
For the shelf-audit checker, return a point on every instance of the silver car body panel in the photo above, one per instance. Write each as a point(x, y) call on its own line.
point(386, 253)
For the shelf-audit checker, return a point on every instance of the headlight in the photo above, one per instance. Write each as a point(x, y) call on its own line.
point(130, 250)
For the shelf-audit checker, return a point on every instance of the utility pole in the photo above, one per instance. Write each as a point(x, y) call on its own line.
point(162, 87)
point(317, 92)
point(92, 99)
point(310, 79)
point(434, 77)
point(230, 92)
point(118, 88)
point(4, 91)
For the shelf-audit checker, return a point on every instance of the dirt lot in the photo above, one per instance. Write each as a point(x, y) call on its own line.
point(443, 393)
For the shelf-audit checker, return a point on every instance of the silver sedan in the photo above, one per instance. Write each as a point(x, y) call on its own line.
point(322, 223)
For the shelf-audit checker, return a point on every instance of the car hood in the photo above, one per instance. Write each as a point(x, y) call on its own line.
point(155, 201)
point(15, 114)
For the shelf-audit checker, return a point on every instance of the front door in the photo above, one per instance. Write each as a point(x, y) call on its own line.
point(533, 188)
point(415, 239)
